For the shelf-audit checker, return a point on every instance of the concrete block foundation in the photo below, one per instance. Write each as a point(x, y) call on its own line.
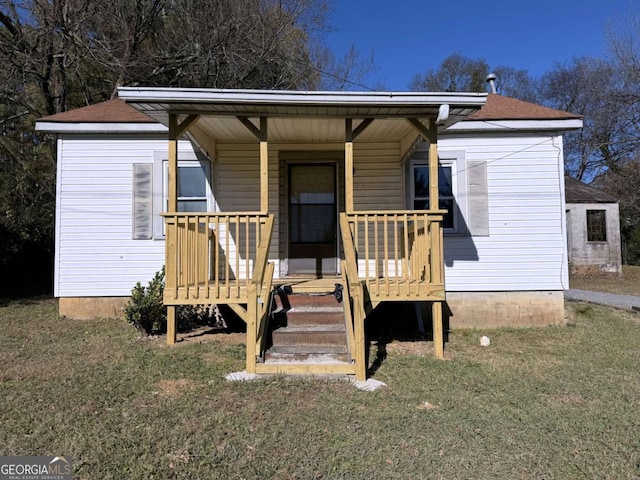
point(504, 309)
point(87, 308)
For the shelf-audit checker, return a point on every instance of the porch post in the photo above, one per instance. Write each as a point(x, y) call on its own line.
point(173, 164)
point(264, 167)
point(348, 166)
point(172, 207)
point(434, 204)
point(175, 131)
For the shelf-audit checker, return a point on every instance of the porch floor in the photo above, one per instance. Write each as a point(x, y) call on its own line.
point(235, 292)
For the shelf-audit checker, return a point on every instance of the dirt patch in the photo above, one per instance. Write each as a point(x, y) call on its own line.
point(208, 334)
point(418, 347)
point(204, 335)
point(175, 388)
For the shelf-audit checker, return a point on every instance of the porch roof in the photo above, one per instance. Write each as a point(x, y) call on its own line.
point(300, 115)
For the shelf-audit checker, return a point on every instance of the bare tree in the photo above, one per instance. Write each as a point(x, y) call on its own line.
point(517, 84)
point(61, 54)
point(592, 88)
point(456, 73)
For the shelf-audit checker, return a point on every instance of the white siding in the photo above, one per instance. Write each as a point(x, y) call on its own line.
point(95, 252)
point(526, 247)
point(237, 187)
point(377, 179)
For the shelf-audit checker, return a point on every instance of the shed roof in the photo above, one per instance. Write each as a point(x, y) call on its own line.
point(578, 192)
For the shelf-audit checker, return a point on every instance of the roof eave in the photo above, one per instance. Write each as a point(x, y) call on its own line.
point(520, 125)
point(100, 127)
point(294, 97)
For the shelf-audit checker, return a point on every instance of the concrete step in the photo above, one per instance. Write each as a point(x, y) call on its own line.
point(311, 353)
point(316, 358)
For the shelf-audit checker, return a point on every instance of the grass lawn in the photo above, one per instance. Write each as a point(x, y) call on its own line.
point(555, 403)
point(627, 284)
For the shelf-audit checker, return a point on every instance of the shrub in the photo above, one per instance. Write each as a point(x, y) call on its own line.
point(145, 309)
point(147, 313)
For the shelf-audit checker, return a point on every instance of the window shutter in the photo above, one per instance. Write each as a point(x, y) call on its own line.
point(142, 201)
point(478, 198)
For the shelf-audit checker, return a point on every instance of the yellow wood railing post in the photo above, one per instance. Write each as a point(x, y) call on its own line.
point(348, 313)
point(263, 310)
point(359, 334)
point(171, 325)
point(438, 335)
point(261, 278)
point(355, 289)
point(252, 321)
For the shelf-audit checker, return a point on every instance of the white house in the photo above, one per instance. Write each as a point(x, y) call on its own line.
point(266, 188)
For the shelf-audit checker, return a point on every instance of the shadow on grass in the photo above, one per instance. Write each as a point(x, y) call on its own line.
point(33, 299)
point(399, 322)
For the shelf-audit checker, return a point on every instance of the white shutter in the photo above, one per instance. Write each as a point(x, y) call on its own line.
point(478, 197)
point(142, 201)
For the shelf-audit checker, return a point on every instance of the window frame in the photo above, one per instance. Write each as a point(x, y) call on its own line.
point(161, 185)
point(590, 228)
point(449, 161)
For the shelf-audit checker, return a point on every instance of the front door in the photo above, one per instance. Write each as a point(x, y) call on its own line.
point(313, 248)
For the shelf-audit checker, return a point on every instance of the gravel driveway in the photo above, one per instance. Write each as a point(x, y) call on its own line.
point(626, 302)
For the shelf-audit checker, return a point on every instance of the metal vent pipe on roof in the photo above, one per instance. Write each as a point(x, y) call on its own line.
point(491, 80)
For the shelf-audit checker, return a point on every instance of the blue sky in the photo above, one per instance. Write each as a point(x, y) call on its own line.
point(411, 36)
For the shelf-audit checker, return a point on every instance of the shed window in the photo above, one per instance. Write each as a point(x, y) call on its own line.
point(596, 226)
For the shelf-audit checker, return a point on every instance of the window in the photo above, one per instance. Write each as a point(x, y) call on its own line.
point(596, 226)
point(446, 190)
point(194, 187)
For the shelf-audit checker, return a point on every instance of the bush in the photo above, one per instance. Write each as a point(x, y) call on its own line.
point(147, 313)
point(145, 309)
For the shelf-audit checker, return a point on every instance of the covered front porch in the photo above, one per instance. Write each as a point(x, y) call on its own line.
point(311, 230)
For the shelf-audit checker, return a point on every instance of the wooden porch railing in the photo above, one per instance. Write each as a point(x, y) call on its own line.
point(398, 254)
point(222, 258)
point(390, 256)
point(215, 257)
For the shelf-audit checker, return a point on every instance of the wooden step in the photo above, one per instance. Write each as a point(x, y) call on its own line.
point(300, 316)
point(310, 335)
point(304, 300)
point(308, 328)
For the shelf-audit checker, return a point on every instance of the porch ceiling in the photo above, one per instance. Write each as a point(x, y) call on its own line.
point(300, 116)
point(297, 129)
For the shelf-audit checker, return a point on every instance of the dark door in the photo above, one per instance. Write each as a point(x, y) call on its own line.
point(312, 219)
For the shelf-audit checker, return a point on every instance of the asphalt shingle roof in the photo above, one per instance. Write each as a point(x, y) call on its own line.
point(578, 192)
point(497, 107)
